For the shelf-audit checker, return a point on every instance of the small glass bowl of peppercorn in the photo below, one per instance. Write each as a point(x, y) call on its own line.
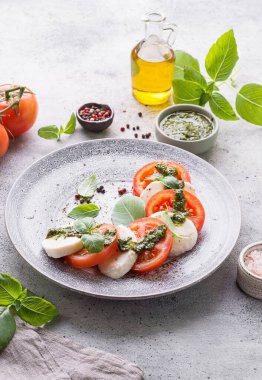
point(95, 117)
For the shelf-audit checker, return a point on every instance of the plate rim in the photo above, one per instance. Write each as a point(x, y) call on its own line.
point(117, 297)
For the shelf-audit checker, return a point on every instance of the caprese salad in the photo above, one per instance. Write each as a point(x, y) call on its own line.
point(160, 221)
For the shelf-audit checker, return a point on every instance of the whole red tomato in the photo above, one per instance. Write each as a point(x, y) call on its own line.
point(19, 118)
point(4, 141)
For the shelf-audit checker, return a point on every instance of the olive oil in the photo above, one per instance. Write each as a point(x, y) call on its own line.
point(152, 64)
point(151, 80)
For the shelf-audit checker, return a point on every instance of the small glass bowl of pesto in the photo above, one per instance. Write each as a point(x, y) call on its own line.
point(187, 126)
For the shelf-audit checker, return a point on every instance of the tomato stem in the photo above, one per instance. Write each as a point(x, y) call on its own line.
point(12, 103)
point(20, 88)
point(10, 106)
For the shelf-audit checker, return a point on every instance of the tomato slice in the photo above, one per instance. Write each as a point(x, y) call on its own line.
point(163, 201)
point(140, 182)
point(84, 259)
point(150, 260)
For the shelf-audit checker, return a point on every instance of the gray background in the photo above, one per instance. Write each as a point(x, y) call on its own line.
point(70, 52)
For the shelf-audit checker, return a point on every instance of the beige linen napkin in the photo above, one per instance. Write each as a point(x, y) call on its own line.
point(36, 354)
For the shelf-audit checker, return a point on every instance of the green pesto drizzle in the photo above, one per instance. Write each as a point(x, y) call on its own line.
point(148, 243)
point(179, 211)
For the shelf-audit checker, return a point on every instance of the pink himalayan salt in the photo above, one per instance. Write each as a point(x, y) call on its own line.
point(253, 262)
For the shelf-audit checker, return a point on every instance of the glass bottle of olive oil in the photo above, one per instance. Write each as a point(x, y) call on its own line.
point(152, 62)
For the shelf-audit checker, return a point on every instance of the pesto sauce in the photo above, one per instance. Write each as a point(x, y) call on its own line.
point(55, 233)
point(148, 243)
point(179, 217)
point(179, 211)
point(165, 170)
point(109, 236)
point(186, 125)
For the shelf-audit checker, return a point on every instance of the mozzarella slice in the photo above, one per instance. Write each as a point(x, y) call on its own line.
point(156, 186)
point(62, 246)
point(189, 187)
point(118, 266)
point(151, 189)
point(185, 236)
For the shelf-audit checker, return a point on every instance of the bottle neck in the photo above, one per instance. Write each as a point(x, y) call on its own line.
point(153, 28)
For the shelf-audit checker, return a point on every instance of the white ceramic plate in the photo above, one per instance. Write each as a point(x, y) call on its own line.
point(44, 193)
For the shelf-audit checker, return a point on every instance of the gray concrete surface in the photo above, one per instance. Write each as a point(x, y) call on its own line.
point(69, 52)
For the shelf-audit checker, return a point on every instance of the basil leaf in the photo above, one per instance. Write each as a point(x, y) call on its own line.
point(128, 209)
point(88, 187)
point(221, 107)
point(37, 311)
point(186, 92)
point(10, 289)
point(184, 59)
point(168, 221)
point(207, 94)
point(172, 182)
point(94, 243)
point(194, 76)
point(7, 327)
point(22, 295)
point(49, 133)
point(204, 99)
point(222, 57)
point(84, 210)
point(249, 103)
point(155, 177)
point(84, 225)
point(17, 304)
point(70, 127)
point(211, 86)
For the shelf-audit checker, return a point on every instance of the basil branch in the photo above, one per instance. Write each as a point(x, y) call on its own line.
point(191, 86)
point(14, 301)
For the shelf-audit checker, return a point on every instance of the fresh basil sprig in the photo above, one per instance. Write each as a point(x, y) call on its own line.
point(14, 300)
point(169, 181)
point(172, 182)
point(169, 222)
point(10, 289)
point(93, 240)
point(184, 59)
point(84, 210)
point(190, 86)
point(87, 188)
point(154, 177)
point(85, 225)
point(7, 327)
point(52, 132)
point(166, 175)
point(128, 209)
